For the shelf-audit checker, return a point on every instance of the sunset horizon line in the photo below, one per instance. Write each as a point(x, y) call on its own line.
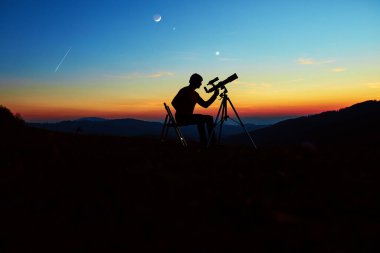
point(263, 114)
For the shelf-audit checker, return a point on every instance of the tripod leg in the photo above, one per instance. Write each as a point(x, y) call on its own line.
point(217, 116)
point(223, 118)
point(215, 124)
point(241, 123)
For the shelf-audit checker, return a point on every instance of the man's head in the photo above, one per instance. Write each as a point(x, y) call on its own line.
point(196, 80)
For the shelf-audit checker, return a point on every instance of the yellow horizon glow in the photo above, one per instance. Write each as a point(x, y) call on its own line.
point(142, 96)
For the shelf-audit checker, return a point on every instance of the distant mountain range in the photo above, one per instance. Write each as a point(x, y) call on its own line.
point(131, 127)
point(359, 122)
point(97, 119)
point(99, 126)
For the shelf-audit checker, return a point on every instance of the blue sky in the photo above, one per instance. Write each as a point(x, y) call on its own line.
point(115, 35)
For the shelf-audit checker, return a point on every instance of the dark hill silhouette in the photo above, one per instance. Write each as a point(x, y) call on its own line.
point(7, 119)
point(97, 119)
point(361, 120)
point(129, 127)
point(120, 127)
point(63, 192)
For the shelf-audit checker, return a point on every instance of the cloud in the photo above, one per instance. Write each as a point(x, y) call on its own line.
point(374, 85)
point(253, 84)
point(305, 61)
point(309, 61)
point(141, 75)
point(338, 70)
point(159, 74)
point(295, 80)
point(187, 56)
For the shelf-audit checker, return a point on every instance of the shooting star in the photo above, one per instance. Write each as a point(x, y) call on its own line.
point(62, 60)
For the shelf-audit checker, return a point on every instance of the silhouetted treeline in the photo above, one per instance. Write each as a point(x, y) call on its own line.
point(7, 119)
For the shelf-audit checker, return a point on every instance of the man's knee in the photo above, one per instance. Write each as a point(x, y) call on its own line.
point(208, 119)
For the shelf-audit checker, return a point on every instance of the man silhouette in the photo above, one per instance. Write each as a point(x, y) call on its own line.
point(184, 103)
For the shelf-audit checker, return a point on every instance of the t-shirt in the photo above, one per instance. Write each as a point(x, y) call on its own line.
point(184, 102)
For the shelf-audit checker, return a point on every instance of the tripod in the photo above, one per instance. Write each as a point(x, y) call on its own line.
point(222, 113)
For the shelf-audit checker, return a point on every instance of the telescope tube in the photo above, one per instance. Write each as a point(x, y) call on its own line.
point(221, 84)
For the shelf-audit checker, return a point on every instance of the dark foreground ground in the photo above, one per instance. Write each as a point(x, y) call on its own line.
point(77, 193)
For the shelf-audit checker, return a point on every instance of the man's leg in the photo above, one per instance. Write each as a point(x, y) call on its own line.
point(210, 127)
point(198, 119)
point(201, 121)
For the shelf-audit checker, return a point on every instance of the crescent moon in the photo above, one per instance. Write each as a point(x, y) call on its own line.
point(157, 18)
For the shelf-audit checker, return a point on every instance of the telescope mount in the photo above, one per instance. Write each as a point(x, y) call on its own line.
point(222, 116)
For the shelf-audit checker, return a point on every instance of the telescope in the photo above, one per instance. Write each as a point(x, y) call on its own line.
point(213, 81)
point(221, 84)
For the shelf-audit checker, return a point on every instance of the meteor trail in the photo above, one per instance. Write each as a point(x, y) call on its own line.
point(62, 60)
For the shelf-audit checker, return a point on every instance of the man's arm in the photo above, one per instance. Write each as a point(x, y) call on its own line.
point(207, 103)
